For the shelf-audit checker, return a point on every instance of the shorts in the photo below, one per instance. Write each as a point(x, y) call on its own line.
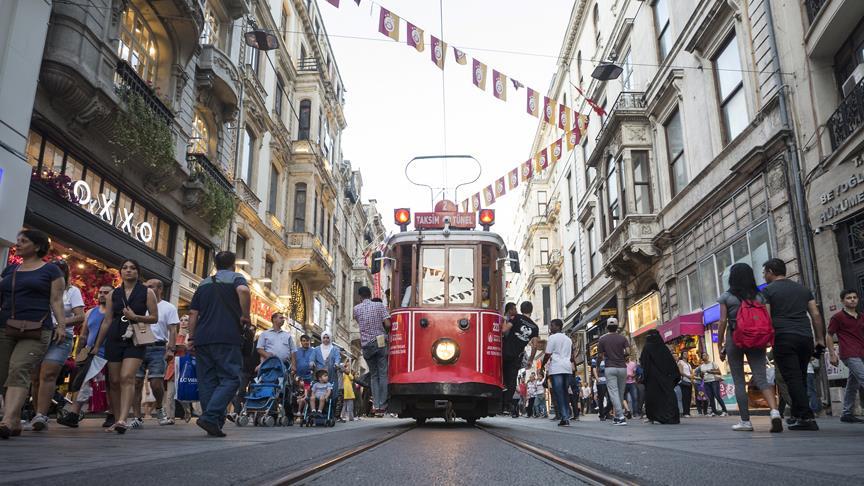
point(18, 357)
point(117, 349)
point(154, 362)
point(58, 353)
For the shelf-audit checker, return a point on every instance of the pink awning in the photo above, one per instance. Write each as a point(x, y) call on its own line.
point(683, 325)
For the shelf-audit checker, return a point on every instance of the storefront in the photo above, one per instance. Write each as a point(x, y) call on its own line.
point(93, 220)
point(643, 316)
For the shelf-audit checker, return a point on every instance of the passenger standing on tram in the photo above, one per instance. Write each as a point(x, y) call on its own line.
point(517, 333)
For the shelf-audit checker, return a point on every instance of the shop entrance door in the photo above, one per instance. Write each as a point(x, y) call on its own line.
point(850, 243)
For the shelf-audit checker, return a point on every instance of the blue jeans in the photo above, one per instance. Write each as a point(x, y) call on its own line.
point(559, 394)
point(539, 405)
point(376, 359)
point(219, 367)
point(631, 395)
point(811, 393)
point(854, 383)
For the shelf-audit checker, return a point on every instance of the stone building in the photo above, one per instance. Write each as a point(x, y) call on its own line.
point(693, 167)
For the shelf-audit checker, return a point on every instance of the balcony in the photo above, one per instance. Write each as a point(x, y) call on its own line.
point(218, 73)
point(244, 192)
point(307, 65)
point(309, 260)
point(813, 7)
point(848, 117)
point(200, 164)
point(626, 125)
point(629, 249)
point(128, 81)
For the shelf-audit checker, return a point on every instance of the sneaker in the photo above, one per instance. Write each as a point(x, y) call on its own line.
point(618, 421)
point(724, 414)
point(136, 423)
point(743, 426)
point(231, 417)
point(851, 419)
point(109, 421)
point(166, 421)
point(791, 420)
point(159, 414)
point(564, 423)
point(804, 424)
point(209, 427)
point(686, 415)
point(69, 420)
point(776, 422)
point(39, 423)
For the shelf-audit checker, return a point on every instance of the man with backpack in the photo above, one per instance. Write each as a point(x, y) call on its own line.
point(796, 319)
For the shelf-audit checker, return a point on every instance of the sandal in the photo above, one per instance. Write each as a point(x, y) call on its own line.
point(120, 427)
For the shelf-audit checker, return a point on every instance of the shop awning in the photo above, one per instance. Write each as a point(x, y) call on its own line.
point(606, 309)
point(711, 314)
point(683, 325)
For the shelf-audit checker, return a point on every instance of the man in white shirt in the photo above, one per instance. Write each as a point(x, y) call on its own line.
point(558, 354)
point(157, 356)
point(277, 342)
point(712, 376)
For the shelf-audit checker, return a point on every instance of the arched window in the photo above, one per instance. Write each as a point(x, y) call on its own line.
point(300, 207)
point(138, 45)
point(199, 142)
point(297, 307)
point(210, 32)
point(305, 116)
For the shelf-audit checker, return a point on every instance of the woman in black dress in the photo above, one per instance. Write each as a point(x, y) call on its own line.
point(660, 374)
point(130, 302)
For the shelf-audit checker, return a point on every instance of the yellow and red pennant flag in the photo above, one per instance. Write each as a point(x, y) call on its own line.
point(573, 138)
point(513, 179)
point(465, 206)
point(533, 104)
point(556, 150)
point(415, 37)
point(582, 124)
point(388, 24)
point(479, 74)
point(549, 110)
point(527, 170)
point(564, 117)
point(499, 85)
point(541, 160)
point(475, 202)
point(488, 196)
point(460, 57)
point(438, 52)
point(500, 187)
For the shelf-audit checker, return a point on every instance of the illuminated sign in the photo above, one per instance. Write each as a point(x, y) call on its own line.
point(102, 208)
point(437, 220)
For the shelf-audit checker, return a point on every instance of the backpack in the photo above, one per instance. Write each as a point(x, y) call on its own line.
point(753, 329)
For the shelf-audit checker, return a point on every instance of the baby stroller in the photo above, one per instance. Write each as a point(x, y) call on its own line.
point(268, 396)
point(326, 419)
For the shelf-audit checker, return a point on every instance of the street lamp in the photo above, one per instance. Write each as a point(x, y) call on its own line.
point(261, 40)
point(606, 71)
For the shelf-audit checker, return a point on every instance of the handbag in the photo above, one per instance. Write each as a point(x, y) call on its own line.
point(20, 328)
point(187, 379)
point(142, 334)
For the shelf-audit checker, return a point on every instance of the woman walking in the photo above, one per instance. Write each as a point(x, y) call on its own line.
point(660, 374)
point(742, 288)
point(686, 384)
point(130, 303)
point(45, 377)
point(29, 293)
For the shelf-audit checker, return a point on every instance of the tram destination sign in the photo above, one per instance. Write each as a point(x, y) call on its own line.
point(438, 220)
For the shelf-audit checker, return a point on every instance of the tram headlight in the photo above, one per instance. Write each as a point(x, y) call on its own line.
point(445, 351)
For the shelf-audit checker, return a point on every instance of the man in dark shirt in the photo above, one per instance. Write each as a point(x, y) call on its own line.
point(796, 319)
point(217, 316)
point(848, 326)
point(518, 332)
point(613, 347)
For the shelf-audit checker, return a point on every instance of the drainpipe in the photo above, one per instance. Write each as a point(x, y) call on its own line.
point(802, 224)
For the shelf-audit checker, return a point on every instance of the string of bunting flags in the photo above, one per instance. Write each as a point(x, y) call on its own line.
point(573, 123)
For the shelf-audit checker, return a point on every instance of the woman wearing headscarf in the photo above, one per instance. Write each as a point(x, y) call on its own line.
point(660, 374)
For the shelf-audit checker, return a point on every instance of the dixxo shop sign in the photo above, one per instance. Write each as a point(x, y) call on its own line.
point(103, 208)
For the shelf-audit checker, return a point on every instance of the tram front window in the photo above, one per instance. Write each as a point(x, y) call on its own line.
point(433, 275)
point(461, 276)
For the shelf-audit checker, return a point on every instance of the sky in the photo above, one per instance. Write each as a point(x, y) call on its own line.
point(394, 108)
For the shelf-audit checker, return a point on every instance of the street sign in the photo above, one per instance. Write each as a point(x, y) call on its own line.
point(437, 220)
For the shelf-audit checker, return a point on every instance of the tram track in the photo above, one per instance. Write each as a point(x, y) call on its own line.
point(579, 471)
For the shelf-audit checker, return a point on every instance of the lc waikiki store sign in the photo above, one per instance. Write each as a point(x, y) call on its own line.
point(102, 206)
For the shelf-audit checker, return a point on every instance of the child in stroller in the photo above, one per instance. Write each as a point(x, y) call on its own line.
point(269, 398)
point(319, 411)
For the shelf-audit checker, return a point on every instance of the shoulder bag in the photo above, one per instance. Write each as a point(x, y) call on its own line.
point(142, 334)
point(19, 328)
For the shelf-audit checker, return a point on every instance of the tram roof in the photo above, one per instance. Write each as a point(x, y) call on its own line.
point(438, 236)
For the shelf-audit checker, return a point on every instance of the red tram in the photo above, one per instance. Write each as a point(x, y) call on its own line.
point(446, 294)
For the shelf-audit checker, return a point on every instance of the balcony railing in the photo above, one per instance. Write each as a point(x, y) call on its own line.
point(307, 64)
point(848, 117)
point(199, 163)
point(244, 192)
point(813, 7)
point(128, 79)
point(627, 101)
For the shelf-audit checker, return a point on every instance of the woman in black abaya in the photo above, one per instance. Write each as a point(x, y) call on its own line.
point(661, 375)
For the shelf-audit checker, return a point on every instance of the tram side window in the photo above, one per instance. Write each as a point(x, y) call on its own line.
point(432, 276)
point(486, 271)
point(461, 276)
point(405, 275)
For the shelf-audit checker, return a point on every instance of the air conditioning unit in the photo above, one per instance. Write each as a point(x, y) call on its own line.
point(853, 80)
